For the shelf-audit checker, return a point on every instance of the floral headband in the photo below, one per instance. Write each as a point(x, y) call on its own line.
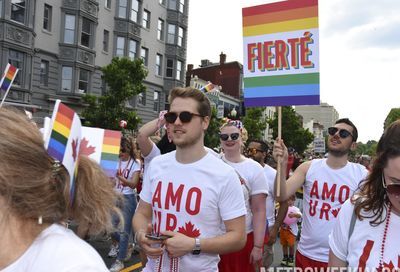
point(236, 123)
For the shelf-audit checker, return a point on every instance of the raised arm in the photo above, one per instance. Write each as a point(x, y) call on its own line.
point(143, 137)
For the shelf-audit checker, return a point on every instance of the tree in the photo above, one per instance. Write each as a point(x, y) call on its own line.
point(293, 133)
point(366, 149)
point(124, 78)
point(211, 138)
point(254, 122)
point(393, 115)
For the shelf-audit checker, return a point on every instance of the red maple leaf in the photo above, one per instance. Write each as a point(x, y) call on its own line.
point(189, 230)
point(335, 212)
point(388, 267)
point(86, 149)
point(75, 148)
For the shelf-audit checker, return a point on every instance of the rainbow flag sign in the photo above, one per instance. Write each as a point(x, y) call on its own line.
point(102, 145)
point(6, 80)
point(281, 54)
point(208, 88)
point(63, 138)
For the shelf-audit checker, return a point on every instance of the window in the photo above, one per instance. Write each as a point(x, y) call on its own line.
point(16, 59)
point(44, 73)
point(178, 70)
point(170, 68)
point(132, 49)
point(146, 19)
point(181, 5)
point(83, 81)
point(66, 81)
point(171, 34)
point(134, 10)
point(18, 8)
point(156, 106)
point(107, 4)
point(122, 6)
point(141, 99)
point(86, 35)
point(144, 54)
point(172, 4)
point(69, 32)
point(160, 29)
point(48, 11)
point(162, 2)
point(120, 52)
point(159, 64)
point(106, 37)
point(180, 36)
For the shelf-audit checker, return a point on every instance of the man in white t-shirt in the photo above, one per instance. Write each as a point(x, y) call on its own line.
point(187, 194)
point(258, 150)
point(327, 184)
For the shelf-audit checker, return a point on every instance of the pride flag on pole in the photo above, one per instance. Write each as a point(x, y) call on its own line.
point(7, 79)
point(208, 88)
point(281, 54)
point(63, 139)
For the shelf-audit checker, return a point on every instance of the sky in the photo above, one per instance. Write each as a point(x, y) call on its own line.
point(359, 52)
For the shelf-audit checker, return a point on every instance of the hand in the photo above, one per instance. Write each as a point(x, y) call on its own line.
point(273, 233)
point(179, 244)
point(291, 215)
point(256, 255)
point(280, 151)
point(151, 248)
point(123, 180)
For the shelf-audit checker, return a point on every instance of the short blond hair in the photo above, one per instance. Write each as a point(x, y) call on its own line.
point(204, 105)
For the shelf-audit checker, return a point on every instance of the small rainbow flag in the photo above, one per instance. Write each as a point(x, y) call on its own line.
point(208, 88)
point(110, 152)
point(7, 79)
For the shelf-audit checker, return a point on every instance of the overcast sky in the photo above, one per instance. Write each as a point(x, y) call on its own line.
point(359, 52)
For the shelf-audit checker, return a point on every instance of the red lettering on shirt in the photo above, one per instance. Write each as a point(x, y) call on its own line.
point(171, 222)
point(174, 198)
point(314, 190)
point(313, 208)
point(328, 193)
point(344, 193)
point(193, 192)
point(157, 195)
point(325, 210)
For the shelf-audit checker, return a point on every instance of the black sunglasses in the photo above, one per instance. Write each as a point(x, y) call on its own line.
point(184, 116)
point(225, 137)
point(391, 189)
point(253, 150)
point(342, 132)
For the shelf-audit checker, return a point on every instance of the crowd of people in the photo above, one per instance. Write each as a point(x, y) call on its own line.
point(185, 207)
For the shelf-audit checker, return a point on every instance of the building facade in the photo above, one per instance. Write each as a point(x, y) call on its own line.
point(323, 114)
point(61, 45)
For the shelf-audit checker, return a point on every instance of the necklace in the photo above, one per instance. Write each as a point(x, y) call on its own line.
point(384, 237)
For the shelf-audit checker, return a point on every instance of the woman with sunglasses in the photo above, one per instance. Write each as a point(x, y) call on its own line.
point(366, 234)
point(255, 189)
point(127, 178)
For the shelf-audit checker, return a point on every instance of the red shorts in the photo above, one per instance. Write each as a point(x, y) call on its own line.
point(303, 262)
point(238, 261)
point(287, 237)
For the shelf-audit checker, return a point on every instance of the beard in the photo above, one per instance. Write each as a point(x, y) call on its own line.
point(188, 142)
point(338, 153)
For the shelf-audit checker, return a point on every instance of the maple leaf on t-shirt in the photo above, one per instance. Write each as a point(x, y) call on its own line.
point(189, 230)
point(389, 267)
point(86, 149)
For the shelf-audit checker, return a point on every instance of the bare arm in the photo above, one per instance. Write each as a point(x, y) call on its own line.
point(335, 261)
point(258, 209)
point(282, 210)
point(233, 240)
point(148, 129)
point(133, 182)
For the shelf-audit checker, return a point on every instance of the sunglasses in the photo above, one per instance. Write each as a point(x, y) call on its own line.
point(342, 132)
point(253, 150)
point(391, 189)
point(184, 116)
point(225, 137)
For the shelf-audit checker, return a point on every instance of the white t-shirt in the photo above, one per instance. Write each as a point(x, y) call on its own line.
point(127, 168)
point(58, 249)
point(325, 190)
point(270, 174)
point(254, 177)
point(364, 247)
point(155, 151)
point(193, 199)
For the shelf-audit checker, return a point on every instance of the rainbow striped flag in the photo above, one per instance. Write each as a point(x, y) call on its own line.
point(62, 140)
point(6, 80)
point(102, 146)
point(281, 57)
point(208, 88)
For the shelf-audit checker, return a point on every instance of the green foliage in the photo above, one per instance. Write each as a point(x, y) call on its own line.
point(124, 78)
point(254, 122)
point(366, 149)
point(293, 132)
point(393, 115)
point(211, 138)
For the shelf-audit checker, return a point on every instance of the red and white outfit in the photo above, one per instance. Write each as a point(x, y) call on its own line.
point(253, 182)
point(363, 250)
point(325, 190)
point(193, 199)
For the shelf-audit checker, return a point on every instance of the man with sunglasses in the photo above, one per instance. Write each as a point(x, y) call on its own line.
point(188, 194)
point(327, 184)
point(258, 150)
